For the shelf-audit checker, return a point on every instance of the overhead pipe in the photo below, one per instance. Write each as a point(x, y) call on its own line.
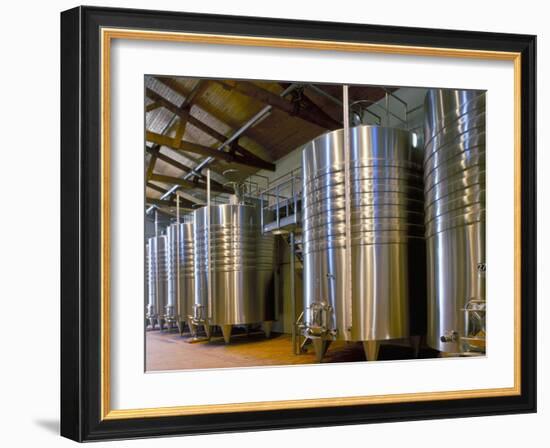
point(208, 252)
point(347, 194)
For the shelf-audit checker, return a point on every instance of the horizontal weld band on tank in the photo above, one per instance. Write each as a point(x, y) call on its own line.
point(321, 206)
point(340, 217)
point(339, 229)
point(436, 227)
point(314, 208)
point(315, 233)
point(326, 194)
point(411, 231)
point(444, 215)
point(450, 203)
point(470, 145)
point(237, 269)
point(470, 223)
point(474, 155)
point(472, 210)
point(475, 125)
point(240, 239)
point(465, 174)
point(357, 164)
point(446, 196)
point(381, 173)
point(458, 211)
point(448, 170)
point(386, 224)
point(363, 173)
point(232, 225)
point(380, 184)
point(337, 207)
point(364, 195)
point(402, 182)
point(339, 170)
point(330, 191)
point(467, 116)
point(386, 237)
point(451, 115)
point(475, 180)
point(370, 236)
point(365, 182)
point(237, 236)
point(322, 195)
point(393, 152)
point(366, 221)
point(443, 190)
point(461, 189)
point(342, 245)
point(413, 216)
point(444, 152)
point(235, 261)
point(371, 185)
point(228, 245)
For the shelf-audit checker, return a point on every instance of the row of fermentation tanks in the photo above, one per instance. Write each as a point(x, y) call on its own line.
point(216, 270)
point(392, 235)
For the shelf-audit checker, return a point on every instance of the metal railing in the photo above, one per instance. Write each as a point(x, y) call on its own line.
point(281, 202)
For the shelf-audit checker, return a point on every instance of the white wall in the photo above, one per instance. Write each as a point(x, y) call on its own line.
point(29, 371)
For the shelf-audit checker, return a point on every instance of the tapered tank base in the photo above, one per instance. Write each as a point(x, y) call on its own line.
point(371, 349)
point(268, 326)
point(226, 331)
point(181, 327)
point(208, 331)
point(415, 344)
point(320, 346)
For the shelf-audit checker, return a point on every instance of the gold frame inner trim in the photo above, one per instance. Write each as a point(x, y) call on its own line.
point(107, 35)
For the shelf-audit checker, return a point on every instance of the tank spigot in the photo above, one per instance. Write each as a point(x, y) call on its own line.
point(450, 336)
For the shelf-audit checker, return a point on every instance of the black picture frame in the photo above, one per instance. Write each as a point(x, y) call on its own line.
point(81, 224)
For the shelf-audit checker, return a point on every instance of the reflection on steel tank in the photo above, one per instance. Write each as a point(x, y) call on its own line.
point(387, 239)
point(181, 273)
point(241, 268)
point(454, 179)
point(157, 277)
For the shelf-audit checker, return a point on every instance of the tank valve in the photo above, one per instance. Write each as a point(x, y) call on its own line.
point(451, 336)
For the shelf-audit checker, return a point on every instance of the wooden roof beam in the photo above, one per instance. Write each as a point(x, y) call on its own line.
point(265, 96)
point(183, 145)
point(166, 203)
point(247, 157)
point(169, 160)
point(312, 106)
point(188, 184)
point(190, 97)
point(175, 86)
point(204, 150)
point(185, 198)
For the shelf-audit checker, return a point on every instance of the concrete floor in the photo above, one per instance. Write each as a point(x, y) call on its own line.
point(170, 351)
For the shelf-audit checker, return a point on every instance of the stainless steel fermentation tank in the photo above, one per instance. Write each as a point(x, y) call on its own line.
point(181, 273)
point(157, 281)
point(387, 286)
point(235, 261)
point(454, 177)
